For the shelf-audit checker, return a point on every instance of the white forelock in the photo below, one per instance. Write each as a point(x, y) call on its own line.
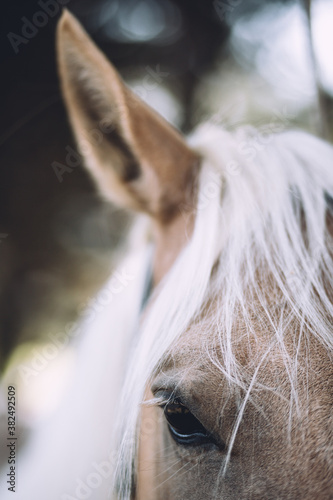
point(262, 205)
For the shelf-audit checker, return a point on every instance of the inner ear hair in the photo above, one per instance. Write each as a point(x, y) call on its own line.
point(135, 157)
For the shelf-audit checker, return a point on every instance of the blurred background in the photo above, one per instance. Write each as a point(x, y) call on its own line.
point(266, 63)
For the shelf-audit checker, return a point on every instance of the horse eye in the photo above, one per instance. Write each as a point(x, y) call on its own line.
point(184, 427)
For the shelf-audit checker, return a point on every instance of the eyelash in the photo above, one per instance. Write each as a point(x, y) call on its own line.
point(184, 427)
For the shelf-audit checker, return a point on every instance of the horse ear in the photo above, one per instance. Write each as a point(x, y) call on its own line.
point(137, 159)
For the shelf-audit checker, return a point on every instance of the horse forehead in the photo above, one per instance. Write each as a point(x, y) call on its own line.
point(191, 355)
point(203, 337)
point(197, 355)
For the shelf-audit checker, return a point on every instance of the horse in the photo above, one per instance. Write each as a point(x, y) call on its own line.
point(228, 384)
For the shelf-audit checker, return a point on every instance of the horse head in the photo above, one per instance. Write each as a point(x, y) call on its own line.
point(229, 390)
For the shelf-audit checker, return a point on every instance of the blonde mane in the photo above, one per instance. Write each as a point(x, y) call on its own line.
point(262, 208)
